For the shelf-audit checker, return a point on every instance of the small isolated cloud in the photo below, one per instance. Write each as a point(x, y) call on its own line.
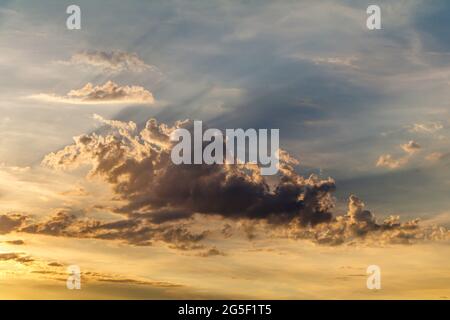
point(387, 161)
point(411, 147)
point(108, 93)
point(337, 61)
point(211, 253)
point(114, 61)
point(15, 242)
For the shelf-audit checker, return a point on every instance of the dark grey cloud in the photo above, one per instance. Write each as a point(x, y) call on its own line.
point(140, 170)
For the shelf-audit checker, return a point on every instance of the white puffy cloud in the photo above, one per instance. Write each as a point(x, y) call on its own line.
point(108, 93)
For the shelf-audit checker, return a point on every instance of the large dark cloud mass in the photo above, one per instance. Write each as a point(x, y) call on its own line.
point(141, 172)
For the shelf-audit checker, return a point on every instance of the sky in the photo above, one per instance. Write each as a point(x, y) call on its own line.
point(85, 177)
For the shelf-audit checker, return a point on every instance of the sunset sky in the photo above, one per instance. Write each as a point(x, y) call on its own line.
point(85, 177)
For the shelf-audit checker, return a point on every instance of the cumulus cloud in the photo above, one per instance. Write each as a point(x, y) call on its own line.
point(114, 61)
point(140, 170)
point(361, 226)
point(108, 93)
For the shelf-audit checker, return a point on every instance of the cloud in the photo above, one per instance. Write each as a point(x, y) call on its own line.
point(411, 147)
point(431, 127)
point(135, 231)
point(16, 257)
point(157, 195)
point(386, 160)
point(55, 264)
point(55, 225)
point(15, 242)
point(360, 226)
point(11, 222)
point(337, 61)
point(77, 191)
point(132, 281)
point(211, 253)
point(114, 61)
point(57, 271)
point(108, 93)
point(140, 170)
point(227, 230)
